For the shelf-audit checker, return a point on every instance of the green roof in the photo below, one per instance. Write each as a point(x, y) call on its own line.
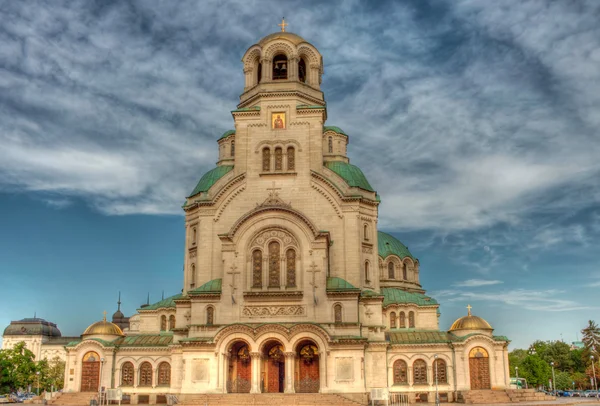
point(417, 337)
point(388, 245)
point(339, 285)
point(227, 134)
point(145, 340)
point(370, 293)
point(334, 129)
point(351, 174)
point(399, 296)
point(307, 106)
point(253, 108)
point(213, 286)
point(210, 178)
point(163, 304)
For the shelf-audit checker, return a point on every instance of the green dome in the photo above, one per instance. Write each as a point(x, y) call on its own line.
point(210, 178)
point(227, 134)
point(353, 176)
point(399, 296)
point(388, 245)
point(334, 129)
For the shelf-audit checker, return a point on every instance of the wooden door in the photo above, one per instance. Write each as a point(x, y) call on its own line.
point(276, 376)
point(90, 376)
point(479, 369)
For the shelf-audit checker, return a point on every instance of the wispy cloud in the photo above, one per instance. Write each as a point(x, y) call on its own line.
point(472, 283)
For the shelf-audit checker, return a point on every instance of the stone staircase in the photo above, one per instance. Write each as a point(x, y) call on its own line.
point(487, 397)
point(267, 399)
point(73, 399)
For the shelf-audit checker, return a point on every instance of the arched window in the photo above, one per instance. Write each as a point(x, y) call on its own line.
point(192, 276)
point(367, 279)
point(402, 320)
point(210, 315)
point(291, 159)
point(274, 264)
point(194, 233)
point(400, 372)
point(163, 323)
point(391, 270)
point(291, 268)
point(302, 71)
point(278, 159)
point(257, 264)
point(127, 372)
point(146, 374)
point(404, 273)
point(419, 372)
point(337, 313)
point(266, 158)
point(392, 320)
point(171, 322)
point(164, 374)
point(366, 232)
point(439, 370)
point(259, 73)
point(330, 146)
point(280, 67)
point(232, 149)
point(411, 319)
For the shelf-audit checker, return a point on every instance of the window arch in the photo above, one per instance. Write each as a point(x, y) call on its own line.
point(194, 235)
point(257, 264)
point(146, 374)
point(330, 145)
point(127, 374)
point(391, 270)
point(419, 372)
point(302, 70)
point(411, 319)
point(192, 275)
point(291, 159)
point(278, 159)
point(280, 67)
point(171, 322)
point(259, 73)
point(337, 313)
point(266, 160)
point(274, 263)
point(367, 276)
point(210, 316)
point(366, 232)
point(402, 320)
point(439, 370)
point(404, 273)
point(400, 368)
point(163, 323)
point(290, 268)
point(232, 151)
point(164, 374)
point(392, 320)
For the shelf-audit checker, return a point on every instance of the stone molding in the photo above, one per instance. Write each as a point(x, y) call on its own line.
point(273, 311)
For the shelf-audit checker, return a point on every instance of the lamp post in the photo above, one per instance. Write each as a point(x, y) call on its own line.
point(437, 397)
point(594, 374)
point(37, 374)
point(553, 379)
point(100, 383)
point(517, 373)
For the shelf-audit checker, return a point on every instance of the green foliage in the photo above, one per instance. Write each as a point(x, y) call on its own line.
point(563, 380)
point(557, 352)
point(18, 368)
point(52, 374)
point(591, 338)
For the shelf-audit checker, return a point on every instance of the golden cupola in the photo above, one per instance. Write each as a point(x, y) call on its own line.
point(103, 329)
point(469, 324)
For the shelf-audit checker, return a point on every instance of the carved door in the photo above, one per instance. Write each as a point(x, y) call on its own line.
point(90, 376)
point(276, 376)
point(479, 369)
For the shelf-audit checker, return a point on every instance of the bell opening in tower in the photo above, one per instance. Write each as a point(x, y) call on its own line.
point(280, 63)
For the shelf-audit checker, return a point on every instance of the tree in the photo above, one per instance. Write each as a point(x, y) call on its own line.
point(52, 373)
point(17, 368)
point(563, 380)
point(557, 352)
point(591, 337)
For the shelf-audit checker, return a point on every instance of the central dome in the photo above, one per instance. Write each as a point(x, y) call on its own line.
point(470, 322)
point(103, 327)
point(290, 36)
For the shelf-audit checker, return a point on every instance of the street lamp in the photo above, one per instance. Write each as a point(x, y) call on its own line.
point(553, 379)
point(594, 373)
point(37, 373)
point(517, 373)
point(437, 397)
point(100, 385)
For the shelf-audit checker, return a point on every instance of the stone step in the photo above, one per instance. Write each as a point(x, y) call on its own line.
point(267, 399)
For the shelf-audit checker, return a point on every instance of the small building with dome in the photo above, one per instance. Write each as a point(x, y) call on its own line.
point(288, 284)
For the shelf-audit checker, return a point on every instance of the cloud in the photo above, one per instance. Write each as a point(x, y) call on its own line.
point(472, 283)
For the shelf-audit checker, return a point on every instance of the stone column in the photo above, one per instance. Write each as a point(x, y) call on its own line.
point(266, 70)
point(322, 371)
point(293, 68)
point(290, 358)
point(256, 358)
point(224, 360)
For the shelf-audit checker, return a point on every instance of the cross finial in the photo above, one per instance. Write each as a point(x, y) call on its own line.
point(469, 309)
point(104, 313)
point(283, 24)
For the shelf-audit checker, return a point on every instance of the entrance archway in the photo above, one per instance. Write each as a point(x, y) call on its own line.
point(273, 368)
point(479, 368)
point(90, 372)
point(307, 379)
point(239, 375)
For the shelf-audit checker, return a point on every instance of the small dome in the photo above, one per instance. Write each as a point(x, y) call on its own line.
point(103, 327)
point(32, 326)
point(290, 36)
point(118, 315)
point(470, 322)
point(388, 245)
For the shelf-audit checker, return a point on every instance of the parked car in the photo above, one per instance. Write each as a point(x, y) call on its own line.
point(590, 393)
point(4, 399)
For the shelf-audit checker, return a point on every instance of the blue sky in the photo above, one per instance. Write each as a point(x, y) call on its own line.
point(477, 122)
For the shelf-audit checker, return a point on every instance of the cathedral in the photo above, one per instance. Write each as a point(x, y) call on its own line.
point(288, 285)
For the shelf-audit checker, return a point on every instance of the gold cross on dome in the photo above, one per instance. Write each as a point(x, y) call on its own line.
point(104, 313)
point(283, 24)
point(469, 309)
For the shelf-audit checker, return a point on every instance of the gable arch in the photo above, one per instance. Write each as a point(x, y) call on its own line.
point(310, 53)
point(250, 56)
point(279, 211)
point(282, 46)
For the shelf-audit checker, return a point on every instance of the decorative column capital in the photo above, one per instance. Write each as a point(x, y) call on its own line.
point(255, 355)
point(290, 355)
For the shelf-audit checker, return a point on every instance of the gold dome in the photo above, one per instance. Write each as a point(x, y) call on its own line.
point(290, 36)
point(470, 322)
point(103, 327)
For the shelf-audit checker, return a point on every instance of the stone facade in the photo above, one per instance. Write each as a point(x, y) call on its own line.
point(288, 286)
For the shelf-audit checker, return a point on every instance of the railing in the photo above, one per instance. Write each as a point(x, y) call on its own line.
point(397, 399)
